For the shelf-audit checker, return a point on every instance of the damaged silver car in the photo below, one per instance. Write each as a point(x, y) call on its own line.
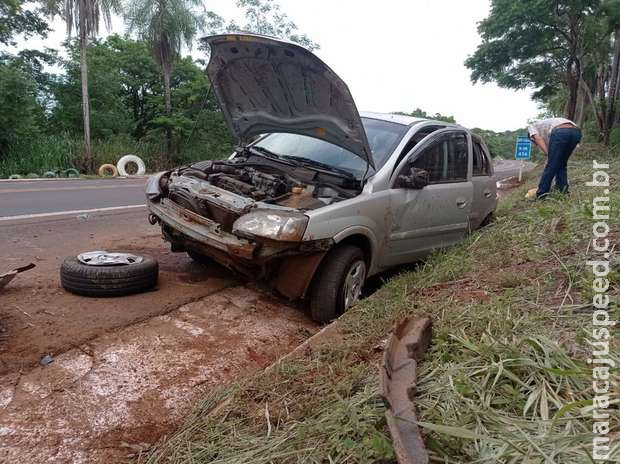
point(318, 197)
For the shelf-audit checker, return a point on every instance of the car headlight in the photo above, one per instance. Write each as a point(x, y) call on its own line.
point(276, 225)
point(153, 186)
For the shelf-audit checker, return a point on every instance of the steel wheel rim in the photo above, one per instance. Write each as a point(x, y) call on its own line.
point(353, 283)
point(104, 258)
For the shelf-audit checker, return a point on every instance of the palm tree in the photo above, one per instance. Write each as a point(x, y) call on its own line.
point(166, 25)
point(83, 16)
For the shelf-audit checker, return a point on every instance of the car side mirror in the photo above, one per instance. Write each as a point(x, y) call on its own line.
point(416, 179)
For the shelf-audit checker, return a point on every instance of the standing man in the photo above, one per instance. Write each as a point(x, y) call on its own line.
point(557, 138)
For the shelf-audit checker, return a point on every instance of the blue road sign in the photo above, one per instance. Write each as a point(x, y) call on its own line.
point(523, 150)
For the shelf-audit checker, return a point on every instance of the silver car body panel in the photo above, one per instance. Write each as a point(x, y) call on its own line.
point(266, 85)
point(485, 197)
point(404, 225)
point(398, 225)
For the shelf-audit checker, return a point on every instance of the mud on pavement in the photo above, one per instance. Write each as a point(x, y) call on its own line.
point(125, 370)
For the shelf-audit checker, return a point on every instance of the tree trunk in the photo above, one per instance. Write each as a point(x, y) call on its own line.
point(573, 77)
point(581, 104)
point(88, 158)
point(168, 105)
point(612, 96)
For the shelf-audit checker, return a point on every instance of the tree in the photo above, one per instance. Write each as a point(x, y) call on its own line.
point(166, 25)
point(84, 16)
point(109, 115)
point(538, 43)
point(14, 20)
point(19, 109)
point(608, 75)
point(419, 113)
point(265, 17)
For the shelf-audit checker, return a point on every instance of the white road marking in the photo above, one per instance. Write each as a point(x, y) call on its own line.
point(60, 189)
point(68, 213)
point(62, 179)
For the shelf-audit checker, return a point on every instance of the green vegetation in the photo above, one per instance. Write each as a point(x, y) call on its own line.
point(567, 50)
point(505, 381)
point(83, 18)
point(500, 144)
point(420, 113)
point(166, 27)
point(140, 95)
point(128, 95)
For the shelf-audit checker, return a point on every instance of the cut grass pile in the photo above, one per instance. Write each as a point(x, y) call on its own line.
point(505, 380)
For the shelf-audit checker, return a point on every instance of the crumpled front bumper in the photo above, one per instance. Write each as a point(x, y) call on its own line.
point(288, 266)
point(201, 229)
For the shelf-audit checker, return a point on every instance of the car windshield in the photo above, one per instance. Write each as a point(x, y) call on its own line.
point(383, 136)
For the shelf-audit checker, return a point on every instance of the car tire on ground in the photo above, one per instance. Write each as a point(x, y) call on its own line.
point(106, 281)
point(488, 220)
point(200, 258)
point(338, 283)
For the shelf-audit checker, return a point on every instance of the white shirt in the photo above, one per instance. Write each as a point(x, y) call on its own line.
point(544, 127)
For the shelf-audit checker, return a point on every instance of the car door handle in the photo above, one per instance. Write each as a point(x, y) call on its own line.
point(487, 194)
point(461, 203)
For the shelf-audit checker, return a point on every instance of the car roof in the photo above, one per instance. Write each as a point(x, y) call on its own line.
point(391, 117)
point(403, 119)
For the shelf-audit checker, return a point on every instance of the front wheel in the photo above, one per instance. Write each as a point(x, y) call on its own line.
point(200, 258)
point(338, 285)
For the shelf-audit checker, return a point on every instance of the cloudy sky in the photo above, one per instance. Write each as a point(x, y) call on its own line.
point(396, 55)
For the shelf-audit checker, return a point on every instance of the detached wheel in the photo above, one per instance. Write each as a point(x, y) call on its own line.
point(103, 274)
point(339, 283)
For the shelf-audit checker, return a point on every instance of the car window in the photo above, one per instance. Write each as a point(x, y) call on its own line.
point(383, 137)
point(445, 159)
point(481, 162)
point(415, 139)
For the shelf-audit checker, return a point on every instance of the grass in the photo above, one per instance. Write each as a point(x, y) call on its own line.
point(505, 380)
point(64, 151)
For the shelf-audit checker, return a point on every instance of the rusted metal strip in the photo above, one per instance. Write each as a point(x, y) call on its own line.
point(405, 348)
point(201, 229)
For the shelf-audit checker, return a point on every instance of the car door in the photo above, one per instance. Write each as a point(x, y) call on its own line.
point(437, 215)
point(485, 191)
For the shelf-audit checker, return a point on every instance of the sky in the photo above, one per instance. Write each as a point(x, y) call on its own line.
point(395, 55)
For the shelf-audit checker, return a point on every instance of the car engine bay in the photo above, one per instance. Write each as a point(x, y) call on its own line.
point(291, 186)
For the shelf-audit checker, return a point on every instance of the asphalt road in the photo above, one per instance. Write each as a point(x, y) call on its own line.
point(36, 197)
point(30, 199)
point(510, 168)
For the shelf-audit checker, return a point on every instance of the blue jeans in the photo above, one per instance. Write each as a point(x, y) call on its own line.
point(562, 143)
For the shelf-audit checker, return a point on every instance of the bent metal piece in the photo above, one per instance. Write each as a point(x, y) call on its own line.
point(405, 348)
point(8, 276)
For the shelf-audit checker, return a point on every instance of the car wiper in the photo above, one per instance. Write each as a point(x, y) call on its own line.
point(324, 166)
point(262, 151)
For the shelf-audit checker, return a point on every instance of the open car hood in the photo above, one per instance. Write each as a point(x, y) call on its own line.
point(266, 85)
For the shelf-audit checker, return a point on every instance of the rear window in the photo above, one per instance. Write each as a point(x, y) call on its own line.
point(481, 161)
